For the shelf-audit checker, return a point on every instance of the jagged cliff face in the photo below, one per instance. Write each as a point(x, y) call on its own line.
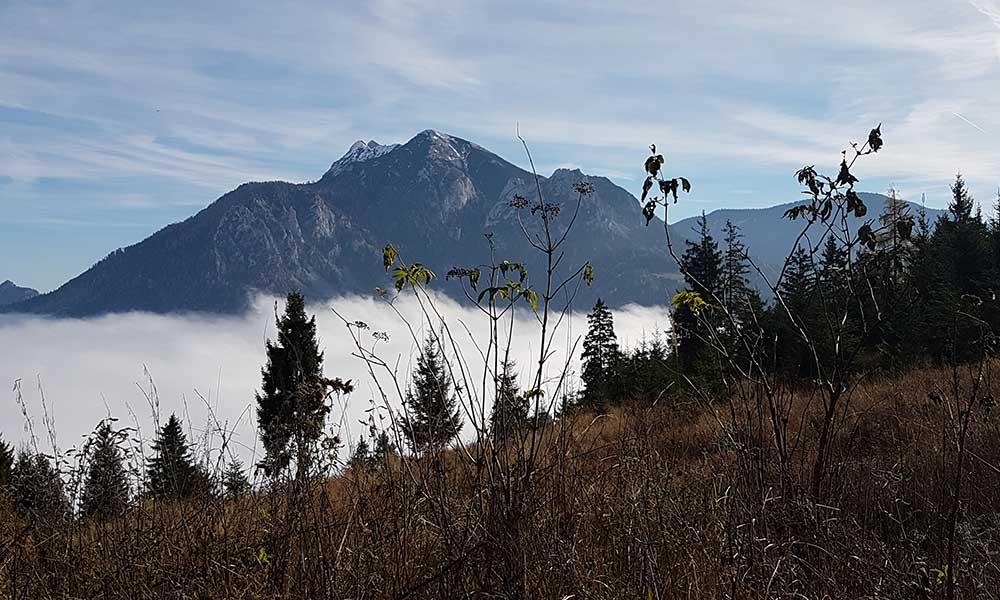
point(434, 197)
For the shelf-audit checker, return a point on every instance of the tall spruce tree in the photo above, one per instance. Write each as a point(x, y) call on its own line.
point(735, 267)
point(235, 483)
point(890, 304)
point(384, 446)
point(702, 262)
point(702, 267)
point(361, 458)
point(37, 490)
point(601, 360)
point(510, 409)
point(961, 273)
point(291, 406)
point(833, 266)
point(105, 490)
point(796, 311)
point(171, 472)
point(434, 419)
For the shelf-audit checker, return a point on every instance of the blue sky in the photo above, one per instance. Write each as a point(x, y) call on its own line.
point(117, 118)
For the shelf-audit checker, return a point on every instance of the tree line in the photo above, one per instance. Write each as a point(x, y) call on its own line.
point(898, 295)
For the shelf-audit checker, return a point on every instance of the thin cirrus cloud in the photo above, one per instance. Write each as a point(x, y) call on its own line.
point(178, 103)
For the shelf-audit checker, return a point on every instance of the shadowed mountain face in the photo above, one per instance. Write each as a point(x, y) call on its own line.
point(434, 197)
point(11, 293)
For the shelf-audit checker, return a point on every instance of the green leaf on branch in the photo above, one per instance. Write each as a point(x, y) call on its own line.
point(532, 297)
point(388, 255)
point(690, 300)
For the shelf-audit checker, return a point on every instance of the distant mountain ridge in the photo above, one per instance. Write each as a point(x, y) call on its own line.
point(11, 293)
point(434, 197)
point(768, 235)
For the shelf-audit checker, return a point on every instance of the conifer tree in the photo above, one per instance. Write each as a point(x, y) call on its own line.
point(171, 472)
point(702, 267)
point(37, 490)
point(894, 246)
point(796, 289)
point(510, 409)
point(291, 406)
point(105, 490)
point(798, 284)
point(6, 463)
point(735, 285)
point(235, 483)
point(361, 458)
point(961, 275)
point(702, 262)
point(433, 411)
point(962, 203)
point(384, 446)
point(601, 360)
point(833, 265)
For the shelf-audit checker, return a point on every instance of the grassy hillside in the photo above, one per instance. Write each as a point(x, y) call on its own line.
point(647, 501)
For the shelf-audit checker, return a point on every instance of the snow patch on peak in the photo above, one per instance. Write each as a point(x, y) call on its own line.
point(361, 151)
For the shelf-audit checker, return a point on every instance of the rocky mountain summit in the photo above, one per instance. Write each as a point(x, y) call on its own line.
point(11, 293)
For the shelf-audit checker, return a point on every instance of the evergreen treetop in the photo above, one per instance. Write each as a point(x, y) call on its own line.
point(171, 472)
point(291, 406)
point(106, 489)
point(433, 414)
point(510, 408)
point(37, 490)
point(702, 262)
point(601, 358)
point(234, 481)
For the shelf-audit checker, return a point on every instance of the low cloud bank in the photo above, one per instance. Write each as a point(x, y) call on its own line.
point(206, 369)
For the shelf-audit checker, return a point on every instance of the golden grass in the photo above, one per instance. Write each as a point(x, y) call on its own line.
point(644, 502)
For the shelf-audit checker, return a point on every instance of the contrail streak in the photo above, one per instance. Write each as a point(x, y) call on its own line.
point(970, 123)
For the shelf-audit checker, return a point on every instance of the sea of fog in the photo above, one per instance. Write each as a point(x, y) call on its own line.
point(70, 373)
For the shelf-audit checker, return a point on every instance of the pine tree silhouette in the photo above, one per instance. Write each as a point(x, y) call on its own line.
point(235, 483)
point(702, 267)
point(601, 359)
point(291, 406)
point(510, 409)
point(361, 458)
point(171, 472)
point(433, 411)
point(105, 490)
point(37, 490)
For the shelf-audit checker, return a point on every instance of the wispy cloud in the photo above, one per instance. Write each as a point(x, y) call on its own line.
point(187, 100)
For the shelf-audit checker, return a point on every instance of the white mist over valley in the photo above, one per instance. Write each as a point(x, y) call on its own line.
point(207, 368)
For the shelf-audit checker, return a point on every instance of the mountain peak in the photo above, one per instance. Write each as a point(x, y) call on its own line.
point(567, 172)
point(10, 293)
point(360, 151)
